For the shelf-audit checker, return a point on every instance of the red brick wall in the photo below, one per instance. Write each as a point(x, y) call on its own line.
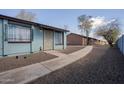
point(73, 39)
point(84, 41)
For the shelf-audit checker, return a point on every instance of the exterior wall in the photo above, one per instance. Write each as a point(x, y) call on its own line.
point(37, 43)
point(65, 40)
point(84, 41)
point(25, 48)
point(48, 40)
point(58, 47)
point(90, 41)
point(101, 42)
point(93, 41)
point(0, 37)
point(97, 42)
point(120, 44)
point(15, 48)
point(22, 48)
point(73, 39)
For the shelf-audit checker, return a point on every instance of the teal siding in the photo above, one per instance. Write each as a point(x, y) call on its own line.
point(61, 46)
point(14, 48)
point(37, 39)
point(0, 37)
point(65, 40)
point(58, 47)
point(24, 48)
point(120, 43)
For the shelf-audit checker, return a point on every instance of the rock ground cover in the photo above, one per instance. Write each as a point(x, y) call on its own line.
point(103, 65)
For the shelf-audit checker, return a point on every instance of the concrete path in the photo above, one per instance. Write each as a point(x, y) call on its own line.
point(32, 72)
point(104, 65)
point(56, 53)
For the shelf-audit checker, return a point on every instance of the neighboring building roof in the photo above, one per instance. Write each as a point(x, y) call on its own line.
point(83, 36)
point(32, 23)
point(77, 35)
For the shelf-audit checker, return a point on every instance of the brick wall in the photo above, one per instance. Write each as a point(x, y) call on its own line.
point(73, 39)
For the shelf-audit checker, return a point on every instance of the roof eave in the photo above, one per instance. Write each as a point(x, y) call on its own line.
point(33, 23)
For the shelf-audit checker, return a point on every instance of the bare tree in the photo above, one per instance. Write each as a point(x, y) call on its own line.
point(110, 32)
point(29, 16)
point(66, 27)
point(85, 24)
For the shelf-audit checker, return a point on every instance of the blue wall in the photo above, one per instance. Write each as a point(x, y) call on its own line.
point(58, 47)
point(65, 40)
point(21, 48)
point(12, 48)
point(120, 44)
point(37, 39)
point(25, 48)
point(0, 37)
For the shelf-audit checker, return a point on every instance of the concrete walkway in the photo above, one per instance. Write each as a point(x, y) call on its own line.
point(104, 65)
point(56, 53)
point(32, 72)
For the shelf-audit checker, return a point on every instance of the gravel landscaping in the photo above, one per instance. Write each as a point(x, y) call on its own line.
point(102, 65)
point(8, 63)
point(71, 49)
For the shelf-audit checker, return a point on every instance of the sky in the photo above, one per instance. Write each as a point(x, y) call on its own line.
point(61, 17)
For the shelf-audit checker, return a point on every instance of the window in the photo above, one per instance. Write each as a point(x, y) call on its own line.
point(58, 38)
point(17, 33)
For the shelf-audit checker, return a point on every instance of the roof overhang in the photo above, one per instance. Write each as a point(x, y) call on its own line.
point(42, 26)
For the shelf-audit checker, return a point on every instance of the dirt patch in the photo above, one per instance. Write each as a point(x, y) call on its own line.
point(8, 63)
